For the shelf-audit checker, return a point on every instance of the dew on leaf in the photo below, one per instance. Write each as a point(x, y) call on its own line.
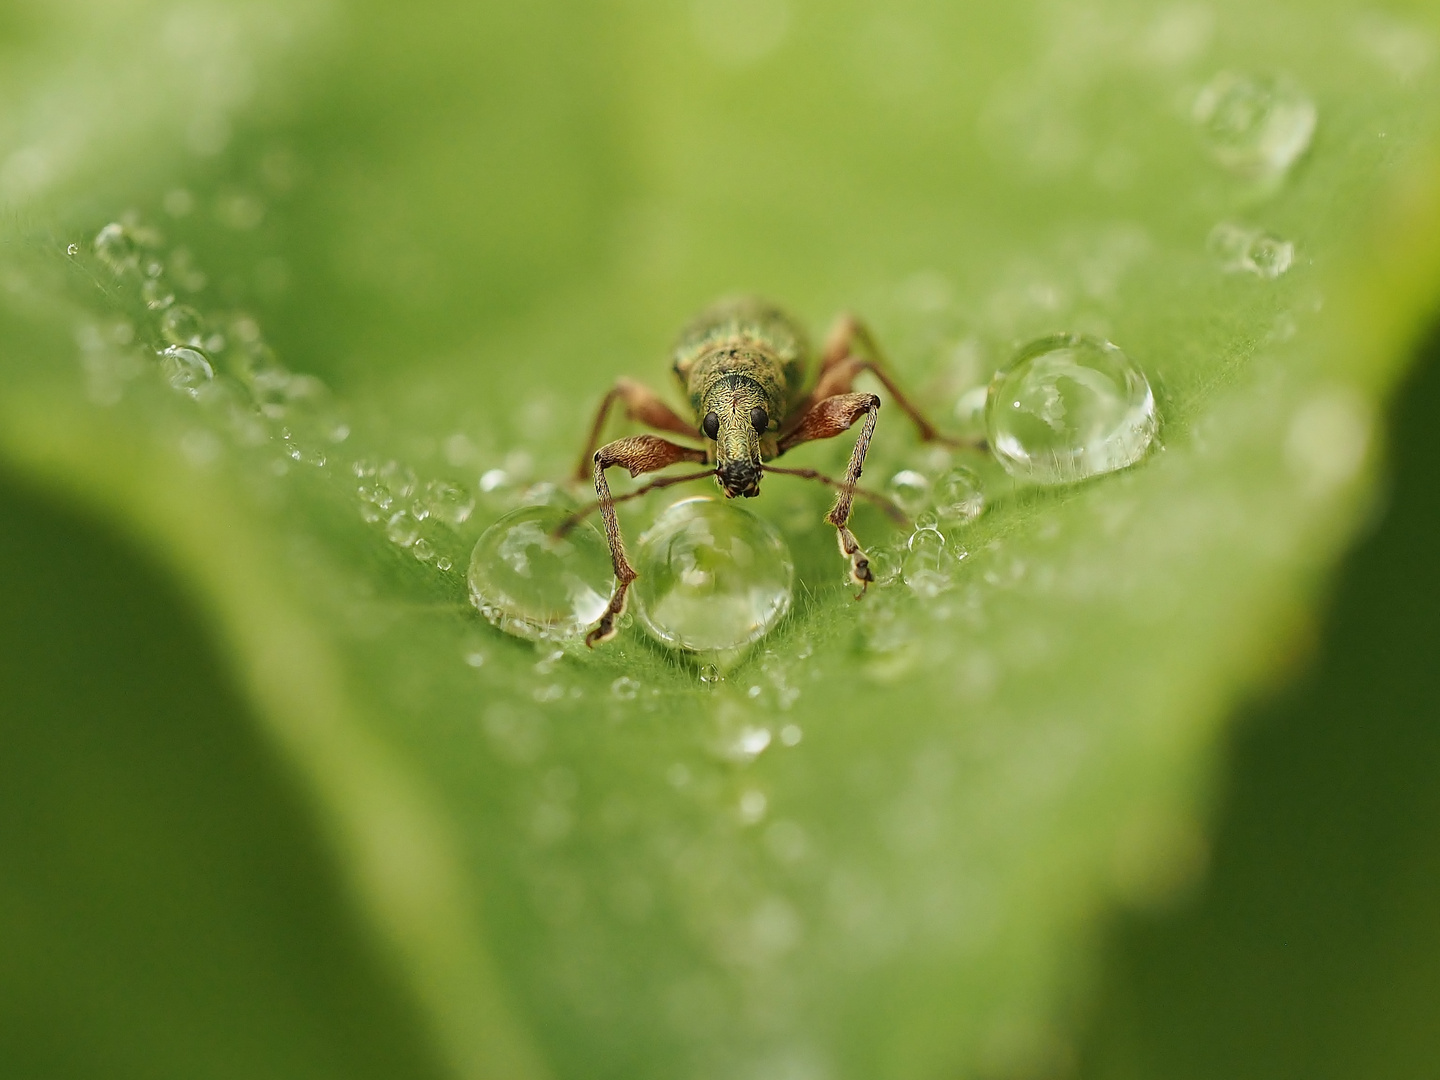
point(910, 490)
point(712, 576)
point(710, 674)
point(448, 502)
point(72, 249)
point(423, 550)
point(1256, 127)
point(156, 294)
point(443, 564)
point(115, 246)
point(185, 369)
point(1067, 408)
point(402, 530)
point(959, 495)
point(182, 325)
point(928, 563)
point(1250, 251)
point(625, 688)
point(532, 584)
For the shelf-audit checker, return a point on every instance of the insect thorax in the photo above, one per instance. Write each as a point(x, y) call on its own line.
point(748, 338)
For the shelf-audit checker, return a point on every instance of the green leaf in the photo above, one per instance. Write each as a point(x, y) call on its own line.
point(469, 225)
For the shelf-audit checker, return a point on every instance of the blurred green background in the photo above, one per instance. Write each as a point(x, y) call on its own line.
point(1146, 792)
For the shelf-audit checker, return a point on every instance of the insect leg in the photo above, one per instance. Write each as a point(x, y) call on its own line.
point(840, 364)
point(641, 404)
point(825, 420)
point(638, 454)
point(645, 489)
point(887, 505)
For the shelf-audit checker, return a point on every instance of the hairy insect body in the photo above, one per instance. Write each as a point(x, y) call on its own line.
point(743, 365)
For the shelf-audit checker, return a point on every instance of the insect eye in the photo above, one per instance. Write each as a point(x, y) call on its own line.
point(759, 419)
point(711, 425)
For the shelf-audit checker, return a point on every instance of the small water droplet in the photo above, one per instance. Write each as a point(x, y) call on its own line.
point(959, 495)
point(492, 479)
point(448, 502)
point(884, 566)
point(443, 564)
point(156, 294)
point(72, 249)
point(1067, 408)
point(928, 564)
point(402, 529)
point(186, 369)
point(115, 246)
point(710, 674)
point(712, 576)
point(910, 490)
point(752, 806)
point(790, 735)
point(423, 550)
point(533, 585)
point(475, 658)
point(182, 325)
point(1255, 127)
point(1251, 251)
point(749, 743)
point(625, 688)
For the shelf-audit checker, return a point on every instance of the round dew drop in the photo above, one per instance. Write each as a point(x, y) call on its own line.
point(1255, 127)
point(186, 369)
point(1068, 408)
point(534, 585)
point(910, 491)
point(959, 495)
point(713, 576)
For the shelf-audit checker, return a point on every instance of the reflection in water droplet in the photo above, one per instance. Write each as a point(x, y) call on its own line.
point(1067, 408)
point(959, 495)
point(1242, 250)
point(910, 490)
point(928, 564)
point(1255, 127)
point(182, 325)
point(532, 585)
point(712, 576)
point(186, 369)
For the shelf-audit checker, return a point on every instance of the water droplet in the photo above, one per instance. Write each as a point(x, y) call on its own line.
point(625, 688)
point(790, 735)
point(156, 294)
point(533, 585)
point(910, 490)
point(448, 502)
point(186, 369)
point(115, 246)
point(1251, 251)
point(711, 674)
point(492, 479)
point(712, 576)
point(928, 564)
point(423, 550)
point(443, 564)
point(72, 249)
point(752, 806)
point(1067, 408)
point(182, 325)
point(402, 529)
point(398, 479)
point(1255, 127)
point(959, 495)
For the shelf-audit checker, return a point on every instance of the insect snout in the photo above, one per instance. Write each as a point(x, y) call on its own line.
point(739, 478)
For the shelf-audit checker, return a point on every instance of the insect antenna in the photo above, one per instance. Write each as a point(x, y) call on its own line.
point(890, 509)
point(665, 481)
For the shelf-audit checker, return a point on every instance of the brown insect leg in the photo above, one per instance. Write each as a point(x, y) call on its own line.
point(641, 404)
point(638, 454)
point(840, 364)
point(893, 512)
point(825, 420)
point(645, 489)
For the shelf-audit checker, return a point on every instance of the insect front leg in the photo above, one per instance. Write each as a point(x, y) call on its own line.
point(638, 454)
point(825, 420)
point(642, 405)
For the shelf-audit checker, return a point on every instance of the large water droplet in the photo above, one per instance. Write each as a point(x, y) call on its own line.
point(533, 585)
point(712, 576)
point(1067, 408)
point(1255, 127)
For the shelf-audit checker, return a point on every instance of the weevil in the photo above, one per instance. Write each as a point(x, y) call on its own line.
point(744, 366)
